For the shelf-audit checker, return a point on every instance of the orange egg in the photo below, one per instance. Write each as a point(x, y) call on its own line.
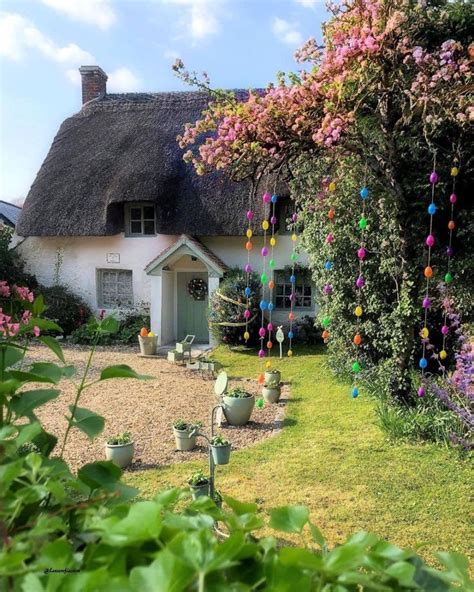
point(428, 272)
point(143, 332)
point(291, 316)
point(261, 378)
point(451, 225)
point(269, 344)
point(325, 334)
point(248, 246)
point(271, 284)
point(357, 339)
point(331, 213)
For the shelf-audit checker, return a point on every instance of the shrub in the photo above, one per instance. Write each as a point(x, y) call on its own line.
point(219, 440)
point(227, 306)
point(238, 393)
point(65, 308)
point(125, 438)
point(198, 478)
point(129, 329)
point(11, 265)
point(306, 331)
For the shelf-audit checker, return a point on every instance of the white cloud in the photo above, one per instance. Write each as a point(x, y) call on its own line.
point(73, 75)
point(18, 36)
point(123, 80)
point(93, 12)
point(286, 31)
point(200, 18)
point(307, 3)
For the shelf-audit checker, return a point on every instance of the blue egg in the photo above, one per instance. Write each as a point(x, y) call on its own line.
point(274, 198)
point(432, 209)
point(355, 392)
point(248, 291)
point(364, 193)
point(423, 363)
point(263, 305)
point(292, 279)
point(270, 306)
point(328, 265)
point(290, 334)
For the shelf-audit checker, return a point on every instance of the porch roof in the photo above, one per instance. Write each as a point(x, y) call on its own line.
point(186, 244)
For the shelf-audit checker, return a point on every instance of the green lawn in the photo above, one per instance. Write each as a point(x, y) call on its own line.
point(332, 457)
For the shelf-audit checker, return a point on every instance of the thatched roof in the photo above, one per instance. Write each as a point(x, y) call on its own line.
point(122, 148)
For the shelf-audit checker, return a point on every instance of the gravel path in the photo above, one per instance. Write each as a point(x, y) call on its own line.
point(146, 408)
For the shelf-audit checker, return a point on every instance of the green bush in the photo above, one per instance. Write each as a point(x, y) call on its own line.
point(65, 308)
point(11, 265)
point(129, 329)
point(227, 306)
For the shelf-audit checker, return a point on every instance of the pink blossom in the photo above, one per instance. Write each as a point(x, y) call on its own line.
point(36, 331)
point(24, 293)
point(4, 289)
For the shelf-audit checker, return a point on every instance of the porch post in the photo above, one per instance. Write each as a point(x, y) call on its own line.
point(213, 284)
point(155, 306)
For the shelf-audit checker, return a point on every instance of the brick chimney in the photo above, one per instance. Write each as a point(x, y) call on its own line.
point(94, 82)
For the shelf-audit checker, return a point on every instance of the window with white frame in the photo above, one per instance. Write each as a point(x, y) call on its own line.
point(303, 290)
point(114, 288)
point(140, 220)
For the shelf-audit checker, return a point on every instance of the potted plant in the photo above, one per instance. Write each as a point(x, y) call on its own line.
point(271, 392)
point(208, 364)
point(199, 484)
point(237, 405)
point(220, 449)
point(272, 377)
point(184, 434)
point(119, 449)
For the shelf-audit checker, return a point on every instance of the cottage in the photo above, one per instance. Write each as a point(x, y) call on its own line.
point(9, 214)
point(117, 215)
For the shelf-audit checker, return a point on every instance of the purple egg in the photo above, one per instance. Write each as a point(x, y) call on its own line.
point(294, 217)
point(264, 252)
point(434, 177)
point(327, 289)
point(444, 329)
point(273, 220)
point(261, 332)
point(421, 391)
point(450, 251)
point(361, 253)
point(426, 302)
point(270, 327)
point(360, 282)
point(453, 198)
point(261, 353)
point(430, 240)
point(248, 268)
point(292, 297)
point(250, 215)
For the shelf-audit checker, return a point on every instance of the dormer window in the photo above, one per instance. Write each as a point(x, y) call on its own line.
point(140, 220)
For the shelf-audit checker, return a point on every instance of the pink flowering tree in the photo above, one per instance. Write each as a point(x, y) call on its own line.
point(388, 86)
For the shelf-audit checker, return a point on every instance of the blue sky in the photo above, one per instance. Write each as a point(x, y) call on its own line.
point(240, 43)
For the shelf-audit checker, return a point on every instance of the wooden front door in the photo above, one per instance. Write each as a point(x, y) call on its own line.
point(192, 313)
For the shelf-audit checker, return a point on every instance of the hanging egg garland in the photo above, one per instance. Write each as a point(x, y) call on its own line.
point(248, 270)
point(359, 285)
point(448, 278)
point(428, 273)
point(271, 283)
point(292, 297)
point(264, 304)
point(328, 265)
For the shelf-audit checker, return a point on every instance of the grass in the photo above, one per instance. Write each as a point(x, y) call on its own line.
point(332, 457)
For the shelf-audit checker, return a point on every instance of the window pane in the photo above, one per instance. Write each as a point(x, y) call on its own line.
point(148, 213)
point(307, 291)
point(135, 213)
point(116, 288)
point(279, 290)
point(149, 227)
point(307, 302)
point(135, 227)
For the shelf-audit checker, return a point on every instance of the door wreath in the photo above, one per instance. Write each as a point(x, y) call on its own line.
point(197, 288)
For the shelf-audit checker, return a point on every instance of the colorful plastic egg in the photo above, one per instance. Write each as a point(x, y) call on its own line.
point(424, 333)
point(259, 403)
point(246, 335)
point(294, 217)
point(327, 289)
point(264, 251)
point(261, 353)
point(290, 334)
point(268, 364)
point(364, 193)
point(271, 263)
point(248, 268)
point(449, 251)
point(357, 339)
point(361, 253)
point(271, 284)
point(265, 225)
point(291, 316)
point(263, 305)
point(248, 291)
point(294, 237)
point(328, 265)
point(270, 327)
point(430, 240)
point(331, 214)
point(360, 282)
point(326, 322)
point(356, 367)
point(453, 198)
point(443, 354)
point(247, 313)
point(269, 344)
point(421, 391)
point(273, 241)
point(423, 363)
point(261, 377)
point(270, 306)
point(325, 334)
point(273, 220)
point(426, 302)
point(290, 353)
point(363, 223)
point(428, 272)
point(330, 238)
point(262, 331)
point(434, 177)
point(274, 198)
point(249, 233)
point(332, 186)
point(248, 246)
point(454, 172)
point(355, 392)
point(249, 215)
point(266, 197)
point(292, 279)
point(294, 257)
point(432, 209)
point(451, 225)
point(358, 311)
point(445, 329)
point(448, 278)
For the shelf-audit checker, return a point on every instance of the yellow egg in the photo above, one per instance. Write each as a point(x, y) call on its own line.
point(442, 354)
point(424, 332)
point(358, 311)
point(265, 225)
point(249, 233)
point(268, 365)
point(151, 334)
point(273, 241)
point(246, 335)
point(454, 172)
point(290, 353)
point(332, 186)
point(294, 237)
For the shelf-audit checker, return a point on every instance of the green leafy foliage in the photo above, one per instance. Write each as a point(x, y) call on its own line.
point(198, 478)
point(219, 440)
point(65, 308)
point(125, 438)
point(238, 393)
point(127, 331)
point(227, 306)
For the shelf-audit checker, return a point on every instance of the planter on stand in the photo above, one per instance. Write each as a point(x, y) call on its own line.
point(199, 490)
point(220, 454)
point(271, 393)
point(120, 454)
